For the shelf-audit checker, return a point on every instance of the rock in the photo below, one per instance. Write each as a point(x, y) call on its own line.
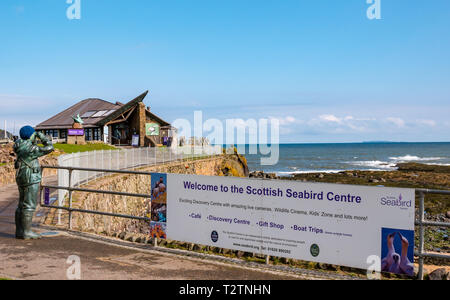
point(320, 176)
point(257, 174)
point(122, 235)
point(438, 274)
point(447, 215)
point(374, 181)
point(130, 237)
point(226, 251)
point(240, 254)
point(284, 260)
point(197, 248)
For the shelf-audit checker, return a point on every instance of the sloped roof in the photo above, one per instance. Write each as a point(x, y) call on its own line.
point(122, 109)
point(64, 118)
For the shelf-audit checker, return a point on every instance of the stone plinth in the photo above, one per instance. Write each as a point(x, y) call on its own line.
point(76, 140)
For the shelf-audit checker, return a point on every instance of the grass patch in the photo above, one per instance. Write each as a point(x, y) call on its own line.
point(83, 148)
point(1, 165)
point(4, 279)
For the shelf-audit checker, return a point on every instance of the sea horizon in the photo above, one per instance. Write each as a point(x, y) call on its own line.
point(326, 143)
point(297, 158)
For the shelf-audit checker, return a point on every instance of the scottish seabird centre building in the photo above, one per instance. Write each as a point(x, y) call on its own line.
point(115, 123)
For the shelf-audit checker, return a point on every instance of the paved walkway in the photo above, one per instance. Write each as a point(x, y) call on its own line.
point(47, 258)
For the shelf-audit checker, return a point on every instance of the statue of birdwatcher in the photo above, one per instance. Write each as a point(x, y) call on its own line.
point(28, 178)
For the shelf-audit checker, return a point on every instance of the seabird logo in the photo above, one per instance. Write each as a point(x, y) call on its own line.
point(315, 250)
point(396, 202)
point(214, 236)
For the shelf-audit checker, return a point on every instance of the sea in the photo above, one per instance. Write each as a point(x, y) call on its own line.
point(333, 158)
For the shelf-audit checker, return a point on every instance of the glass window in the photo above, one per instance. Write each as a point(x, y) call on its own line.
point(63, 133)
point(88, 114)
point(52, 133)
point(88, 134)
point(99, 113)
point(96, 133)
point(109, 112)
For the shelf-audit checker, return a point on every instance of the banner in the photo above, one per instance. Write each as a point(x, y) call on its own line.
point(75, 132)
point(152, 129)
point(355, 226)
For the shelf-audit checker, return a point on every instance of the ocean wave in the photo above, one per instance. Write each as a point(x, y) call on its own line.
point(284, 173)
point(414, 158)
point(375, 164)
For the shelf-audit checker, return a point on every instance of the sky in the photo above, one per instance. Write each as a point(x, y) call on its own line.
point(321, 67)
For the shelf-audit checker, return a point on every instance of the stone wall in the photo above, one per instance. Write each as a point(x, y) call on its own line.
point(225, 165)
point(7, 171)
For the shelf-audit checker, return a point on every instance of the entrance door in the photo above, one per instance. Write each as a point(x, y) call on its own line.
point(121, 134)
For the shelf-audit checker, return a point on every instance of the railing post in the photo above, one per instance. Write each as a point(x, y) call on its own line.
point(103, 162)
point(94, 157)
point(421, 233)
point(70, 199)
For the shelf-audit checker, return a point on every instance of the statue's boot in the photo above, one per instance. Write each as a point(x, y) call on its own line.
point(19, 228)
point(27, 219)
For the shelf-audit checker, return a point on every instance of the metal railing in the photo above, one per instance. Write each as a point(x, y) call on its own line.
point(95, 162)
point(70, 189)
point(421, 222)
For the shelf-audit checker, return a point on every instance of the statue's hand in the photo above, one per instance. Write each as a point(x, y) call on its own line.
point(42, 137)
point(33, 137)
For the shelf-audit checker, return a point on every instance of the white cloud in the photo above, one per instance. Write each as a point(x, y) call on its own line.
point(285, 121)
point(430, 123)
point(330, 118)
point(396, 121)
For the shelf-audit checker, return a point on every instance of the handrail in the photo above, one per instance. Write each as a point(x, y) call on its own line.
point(422, 223)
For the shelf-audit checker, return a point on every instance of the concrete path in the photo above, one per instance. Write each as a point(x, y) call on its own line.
point(47, 258)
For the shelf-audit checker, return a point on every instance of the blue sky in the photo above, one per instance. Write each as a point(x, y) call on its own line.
point(321, 67)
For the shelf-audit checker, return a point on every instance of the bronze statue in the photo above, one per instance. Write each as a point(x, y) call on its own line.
point(78, 119)
point(28, 178)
